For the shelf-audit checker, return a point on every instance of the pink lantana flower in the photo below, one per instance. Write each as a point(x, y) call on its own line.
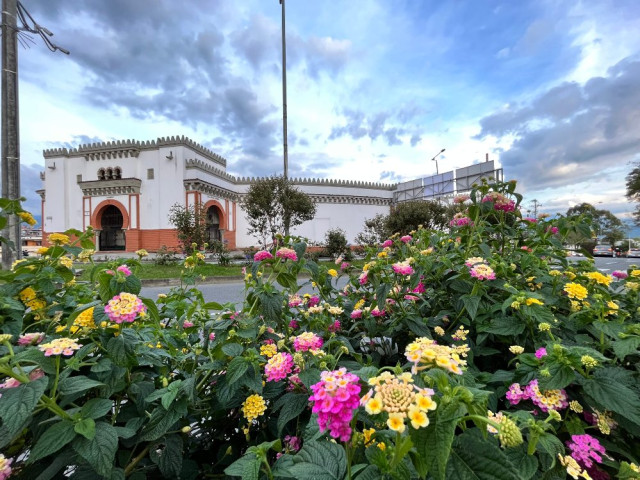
point(31, 338)
point(406, 238)
point(585, 449)
point(335, 397)
point(287, 253)
point(124, 269)
point(278, 367)
point(307, 341)
point(387, 243)
point(402, 268)
point(262, 255)
point(541, 352)
point(482, 272)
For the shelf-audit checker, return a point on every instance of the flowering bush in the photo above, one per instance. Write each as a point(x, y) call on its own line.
point(481, 352)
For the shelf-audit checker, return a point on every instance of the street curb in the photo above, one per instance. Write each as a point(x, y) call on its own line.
point(174, 282)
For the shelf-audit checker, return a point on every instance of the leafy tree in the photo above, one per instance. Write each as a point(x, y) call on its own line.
point(374, 233)
point(633, 191)
point(336, 242)
point(407, 216)
point(273, 206)
point(606, 226)
point(191, 224)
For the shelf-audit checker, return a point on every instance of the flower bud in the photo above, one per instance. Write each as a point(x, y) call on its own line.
point(509, 433)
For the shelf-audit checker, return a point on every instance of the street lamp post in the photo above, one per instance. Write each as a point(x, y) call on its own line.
point(435, 159)
point(284, 96)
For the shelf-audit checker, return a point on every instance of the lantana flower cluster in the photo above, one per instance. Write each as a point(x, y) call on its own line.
point(59, 346)
point(307, 341)
point(253, 407)
point(335, 397)
point(287, 253)
point(426, 353)
point(586, 449)
point(500, 202)
point(125, 307)
point(545, 401)
point(400, 399)
point(278, 367)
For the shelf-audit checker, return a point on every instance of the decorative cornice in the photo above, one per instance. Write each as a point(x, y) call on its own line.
point(198, 185)
point(101, 188)
point(194, 163)
point(326, 182)
point(41, 193)
point(351, 199)
point(131, 148)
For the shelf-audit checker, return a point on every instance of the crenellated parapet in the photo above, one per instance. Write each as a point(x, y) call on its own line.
point(131, 148)
point(194, 163)
point(182, 140)
point(327, 182)
point(198, 185)
point(351, 199)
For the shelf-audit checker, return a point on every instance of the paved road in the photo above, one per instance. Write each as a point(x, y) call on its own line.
point(226, 292)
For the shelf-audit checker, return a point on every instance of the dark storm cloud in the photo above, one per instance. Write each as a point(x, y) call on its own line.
point(29, 183)
point(571, 132)
point(381, 124)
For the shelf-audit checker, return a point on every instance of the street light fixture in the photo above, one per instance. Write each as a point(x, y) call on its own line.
point(435, 159)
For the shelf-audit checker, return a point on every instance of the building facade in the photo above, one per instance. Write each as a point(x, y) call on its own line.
point(125, 189)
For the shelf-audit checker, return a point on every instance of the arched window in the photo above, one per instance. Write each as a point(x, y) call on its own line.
point(101, 174)
point(117, 173)
point(109, 173)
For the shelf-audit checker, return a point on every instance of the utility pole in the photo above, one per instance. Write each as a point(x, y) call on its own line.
point(536, 204)
point(12, 10)
point(10, 128)
point(284, 97)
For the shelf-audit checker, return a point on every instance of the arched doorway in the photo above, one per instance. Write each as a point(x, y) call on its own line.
point(111, 232)
point(213, 224)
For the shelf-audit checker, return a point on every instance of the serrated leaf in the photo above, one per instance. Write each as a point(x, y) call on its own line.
point(505, 326)
point(71, 385)
point(471, 304)
point(232, 349)
point(53, 439)
point(246, 467)
point(168, 456)
point(527, 465)
point(473, 458)
point(612, 395)
point(271, 303)
point(96, 408)
point(559, 377)
point(121, 350)
point(434, 441)
point(236, 369)
point(626, 346)
point(86, 427)
point(99, 452)
point(293, 407)
point(17, 404)
point(161, 421)
point(319, 461)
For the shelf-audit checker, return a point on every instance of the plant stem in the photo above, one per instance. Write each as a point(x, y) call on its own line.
point(129, 468)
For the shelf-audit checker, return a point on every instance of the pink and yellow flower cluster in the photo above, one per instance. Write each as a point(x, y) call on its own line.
point(125, 308)
point(403, 401)
point(426, 353)
point(59, 346)
point(545, 401)
point(335, 397)
point(278, 367)
point(307, 341)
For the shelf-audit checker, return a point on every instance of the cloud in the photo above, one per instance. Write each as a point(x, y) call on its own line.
point(385, 124)
point(571, 131)
point(29, 183)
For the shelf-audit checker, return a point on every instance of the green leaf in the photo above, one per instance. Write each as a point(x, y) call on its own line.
point(505, 326)
point(417, 326)
point(294, 406)
point(53, 439)
point(527, 465)
point(236, 369)
point(246, 467)
point(471, 304)
point(172, 392)
point(473, 458)
point(434, 442)
point(99, 452)
point(78, 384)
point(86, 427)
point(168, 456)
point(152, 309)
point(369, 472)
point(271, 305)
point(17, 404)
point(96, 408)
point(161, 421)
point(121, 349)
point(561, 376)
point(232, 349)
point(612, 395)
point(550, 444)
point(626, 346)
point(319, 461)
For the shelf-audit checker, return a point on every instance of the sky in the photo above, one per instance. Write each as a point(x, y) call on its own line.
point(376, 88)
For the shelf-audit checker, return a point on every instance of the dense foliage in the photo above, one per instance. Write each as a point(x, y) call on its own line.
point(273, 205)
point(480, 353)
point(190, 224)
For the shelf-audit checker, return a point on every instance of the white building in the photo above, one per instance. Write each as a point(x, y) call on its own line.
point(124, 190)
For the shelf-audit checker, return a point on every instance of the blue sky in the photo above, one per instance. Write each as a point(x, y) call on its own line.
point(549, 89)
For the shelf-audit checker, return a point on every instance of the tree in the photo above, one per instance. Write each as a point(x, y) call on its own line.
point(374, 233)
point(191, 224)
point(336, 242)
point(273, 205)
point(606, 226)
point(407, 216)
point(633, 191)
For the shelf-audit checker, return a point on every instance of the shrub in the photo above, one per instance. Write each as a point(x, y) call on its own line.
point(479, 353)
point(335, 242)
point(166, 256)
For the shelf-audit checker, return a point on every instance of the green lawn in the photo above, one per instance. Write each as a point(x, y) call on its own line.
point(150, 270)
